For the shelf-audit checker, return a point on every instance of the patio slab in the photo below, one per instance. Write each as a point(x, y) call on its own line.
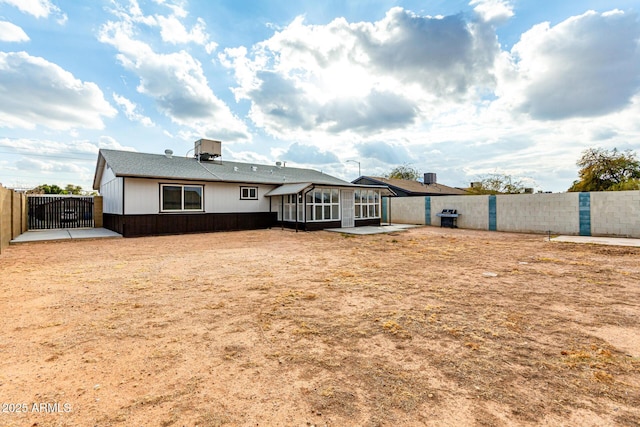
point(613, 241)
point(391, 228)
point(65, 234)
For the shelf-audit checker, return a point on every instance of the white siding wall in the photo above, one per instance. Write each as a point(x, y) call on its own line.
point(142, 197)
point(111, 192)
point(225, 198)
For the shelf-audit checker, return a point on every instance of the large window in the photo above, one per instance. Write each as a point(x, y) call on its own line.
point(289, 211)
point(367, 204)
point(323, 204)
point(177, 198)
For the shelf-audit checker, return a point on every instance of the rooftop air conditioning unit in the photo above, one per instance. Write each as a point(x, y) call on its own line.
point(430, 178)
point(207, 149)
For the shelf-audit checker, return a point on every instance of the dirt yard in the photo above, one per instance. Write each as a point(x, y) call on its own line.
point(275, 328)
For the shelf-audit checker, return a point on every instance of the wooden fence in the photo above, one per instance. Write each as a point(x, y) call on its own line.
point(13, 216)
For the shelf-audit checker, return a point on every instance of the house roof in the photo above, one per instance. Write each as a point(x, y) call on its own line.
point(414, 187)
point(143, 165)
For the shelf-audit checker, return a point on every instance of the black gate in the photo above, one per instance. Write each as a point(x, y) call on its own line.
point(59, 211)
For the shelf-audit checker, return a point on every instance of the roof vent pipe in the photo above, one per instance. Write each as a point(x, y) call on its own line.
point(168, 153)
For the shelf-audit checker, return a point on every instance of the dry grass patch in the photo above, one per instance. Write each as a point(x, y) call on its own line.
point(322, 329)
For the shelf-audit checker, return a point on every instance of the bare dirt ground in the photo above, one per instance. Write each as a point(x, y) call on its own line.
point(429, 327)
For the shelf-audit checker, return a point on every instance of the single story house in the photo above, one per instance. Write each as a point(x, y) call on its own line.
point(152, 194)
point(406, 187)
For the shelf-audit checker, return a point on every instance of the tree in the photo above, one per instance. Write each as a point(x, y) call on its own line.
point(54, 189)
point(497, 183)
point(404, 172)
point(73, 189)
point(604, 170)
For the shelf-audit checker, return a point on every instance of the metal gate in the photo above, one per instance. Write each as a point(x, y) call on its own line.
point(59, 211)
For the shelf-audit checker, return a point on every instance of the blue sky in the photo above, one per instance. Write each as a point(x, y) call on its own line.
point(459, 88)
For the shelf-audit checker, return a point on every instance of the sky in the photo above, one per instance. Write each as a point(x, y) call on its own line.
point(462, 89)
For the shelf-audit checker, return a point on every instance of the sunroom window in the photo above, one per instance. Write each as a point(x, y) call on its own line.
point(367, 204)
point(289, 212)
point(323, 204)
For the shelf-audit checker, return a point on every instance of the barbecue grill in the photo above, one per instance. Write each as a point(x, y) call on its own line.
point(448, 218)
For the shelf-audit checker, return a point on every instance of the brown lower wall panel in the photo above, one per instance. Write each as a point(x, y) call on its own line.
point(315, 226)
point(310, 226)
point(150, 225)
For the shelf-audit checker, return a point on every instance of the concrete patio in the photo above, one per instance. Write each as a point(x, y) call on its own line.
point(65, 234)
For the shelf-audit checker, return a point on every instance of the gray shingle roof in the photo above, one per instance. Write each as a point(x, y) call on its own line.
point(415, 187)
point(134, 164)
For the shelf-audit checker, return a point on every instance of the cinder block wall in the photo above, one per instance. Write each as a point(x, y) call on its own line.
point(538, 213)
point(474, 210)
point(615, 213)
point(407, 210)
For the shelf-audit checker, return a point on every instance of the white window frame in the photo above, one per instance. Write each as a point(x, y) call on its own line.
point(248, 191)
point(323, 201)
point(289, 208)
point(366, 203)
point(182, 188)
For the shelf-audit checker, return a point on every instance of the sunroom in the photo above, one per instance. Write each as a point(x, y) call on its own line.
point(309, 207)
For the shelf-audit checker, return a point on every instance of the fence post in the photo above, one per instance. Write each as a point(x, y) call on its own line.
point(5, 217)
point(97, 212)
point(24, 224)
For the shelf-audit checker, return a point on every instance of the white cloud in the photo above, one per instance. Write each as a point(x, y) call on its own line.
point(176, 81)
point(493, 11)
point(37, 92)
point(38, 8)
point(306, 154)
point(172, 28)
point(362, 77)
point(113, 144)
point(173, 31)
point(586, 66)
point(50, 166)
point(72, 149)
point(12, 33)
point(130, 110)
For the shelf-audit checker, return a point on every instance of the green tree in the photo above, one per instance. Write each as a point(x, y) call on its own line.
point(404, 172)
point(497, 183)
point(604, 170)
point(73, 189)
point(54, 189)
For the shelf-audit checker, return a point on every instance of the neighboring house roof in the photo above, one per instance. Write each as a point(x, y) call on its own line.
point(412, 188)
point(143, 165)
